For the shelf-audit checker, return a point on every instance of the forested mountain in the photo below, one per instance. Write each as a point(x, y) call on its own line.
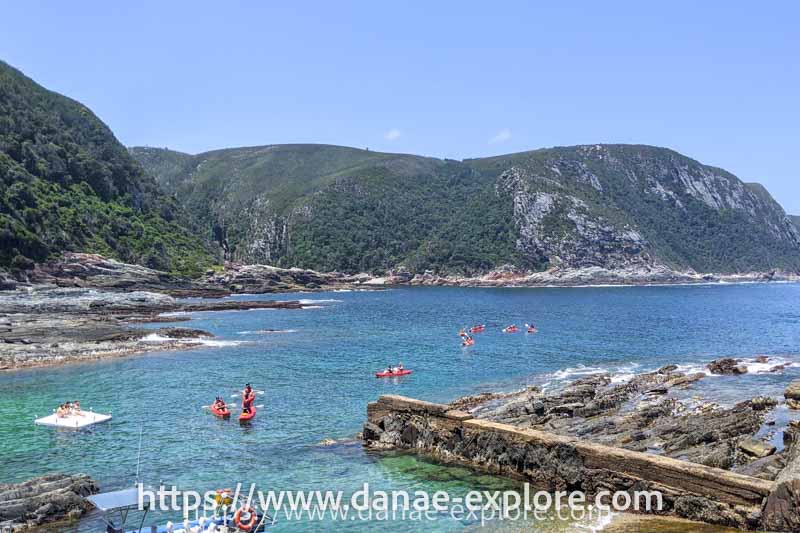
point(66, 183)
point(796, 220)
point(336, 208)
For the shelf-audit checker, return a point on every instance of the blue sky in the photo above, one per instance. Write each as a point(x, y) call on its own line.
point(718, 81)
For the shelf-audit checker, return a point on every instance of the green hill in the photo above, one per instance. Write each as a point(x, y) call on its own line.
point(611, 206)
point(66, 183)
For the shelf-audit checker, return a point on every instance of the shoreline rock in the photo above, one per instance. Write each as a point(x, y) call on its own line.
point(85, 270)
point(640, 415)
point(46, 325)
point(51, 498)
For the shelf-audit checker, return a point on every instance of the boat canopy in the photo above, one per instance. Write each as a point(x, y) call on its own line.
point(116, 500)
point(118, 503)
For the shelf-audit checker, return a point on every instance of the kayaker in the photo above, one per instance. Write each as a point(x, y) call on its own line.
point(247, 398)
point(219, 403)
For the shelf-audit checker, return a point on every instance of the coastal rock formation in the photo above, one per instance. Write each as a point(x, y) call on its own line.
point(727, 366)
point(54, 497)
point(45, 325)
point(639, 415)
point(259, 279)
point(556, 462)
point(94, 271)
point(581, 435)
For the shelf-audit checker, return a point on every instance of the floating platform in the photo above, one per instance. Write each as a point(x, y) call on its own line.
point(85, 419)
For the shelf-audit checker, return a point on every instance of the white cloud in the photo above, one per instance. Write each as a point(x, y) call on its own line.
point(392, 134)
point(501, 137)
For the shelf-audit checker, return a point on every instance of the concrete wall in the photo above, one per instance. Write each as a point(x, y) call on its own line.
point(554, 462)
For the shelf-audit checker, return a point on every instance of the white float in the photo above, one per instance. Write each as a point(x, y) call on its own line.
point(85, 419)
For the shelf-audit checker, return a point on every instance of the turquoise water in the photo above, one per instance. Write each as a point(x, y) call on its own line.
point(318, 378)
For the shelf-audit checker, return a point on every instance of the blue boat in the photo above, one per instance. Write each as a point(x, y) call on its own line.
point(116, 506)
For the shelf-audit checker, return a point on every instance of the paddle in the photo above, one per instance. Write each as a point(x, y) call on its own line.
point(228, 405)
point(238, 394)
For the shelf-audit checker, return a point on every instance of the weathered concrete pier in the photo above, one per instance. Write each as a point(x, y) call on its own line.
point(556, 462)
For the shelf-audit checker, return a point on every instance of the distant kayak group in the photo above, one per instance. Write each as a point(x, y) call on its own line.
point(467, 338)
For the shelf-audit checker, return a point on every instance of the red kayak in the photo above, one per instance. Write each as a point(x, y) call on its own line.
point(385, 374)
point(247, 417)
point(222, 413)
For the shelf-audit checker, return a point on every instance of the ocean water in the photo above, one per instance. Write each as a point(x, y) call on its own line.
point(317, 367)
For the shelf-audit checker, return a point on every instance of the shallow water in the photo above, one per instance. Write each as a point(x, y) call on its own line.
point(317, 371)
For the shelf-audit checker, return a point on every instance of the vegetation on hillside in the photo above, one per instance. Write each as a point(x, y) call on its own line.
point(67, 184)
point(337, 208)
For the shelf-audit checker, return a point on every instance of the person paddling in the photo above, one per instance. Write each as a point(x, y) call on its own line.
point(247, 398)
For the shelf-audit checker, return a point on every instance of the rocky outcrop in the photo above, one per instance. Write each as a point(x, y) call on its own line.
point(93, 271)
point(727, 366)
point(259, 279)
point(782, 507)
point(42, 326)
point(640, 414)
point(601, 431)
point(34, 340)
point(593, 275)
point(51, 498)
point(792, 395)
point(556, 462)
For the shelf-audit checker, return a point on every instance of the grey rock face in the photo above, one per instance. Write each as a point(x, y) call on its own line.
point(561, 229)
point(28, 505)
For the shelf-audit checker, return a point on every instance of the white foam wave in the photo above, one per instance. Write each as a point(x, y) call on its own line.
point(155, 337)
point(619, 374)
point(753, 365)
point(319, 301)
point(174, 313)
point(768, 366)
point(580, 370)
point(214, 342)
point(266, 331)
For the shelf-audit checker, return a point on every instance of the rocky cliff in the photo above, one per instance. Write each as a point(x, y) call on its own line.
point(598, 206)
